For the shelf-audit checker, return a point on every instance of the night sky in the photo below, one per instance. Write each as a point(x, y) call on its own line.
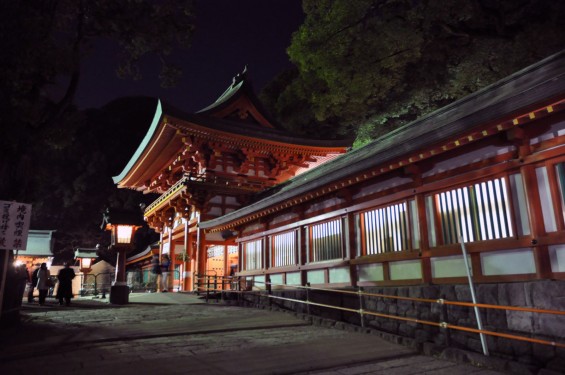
point(229, 35)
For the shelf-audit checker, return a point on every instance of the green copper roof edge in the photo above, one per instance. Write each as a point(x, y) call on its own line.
point(143, 144)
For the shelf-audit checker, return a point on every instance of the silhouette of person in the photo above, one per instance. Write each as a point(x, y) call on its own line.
point(43, 281)
point(65, 290)
point(155, 270)
point(165, 265)
point(33, 284)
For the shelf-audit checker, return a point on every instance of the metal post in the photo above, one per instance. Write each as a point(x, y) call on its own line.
point(308, 298)
point(268, 288)
point(207, 287)
point(472, 288)
point(361, 316)
point(3, 275)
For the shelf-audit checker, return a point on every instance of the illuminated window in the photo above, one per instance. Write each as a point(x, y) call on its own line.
point(326, 241)
point(284, 249)
point(476, 213)
point(253, 255)
point(387, 229)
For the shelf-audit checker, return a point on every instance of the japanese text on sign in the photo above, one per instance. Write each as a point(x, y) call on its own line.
point(14, 225)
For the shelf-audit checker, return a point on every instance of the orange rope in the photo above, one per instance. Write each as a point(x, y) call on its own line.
point(427, 322)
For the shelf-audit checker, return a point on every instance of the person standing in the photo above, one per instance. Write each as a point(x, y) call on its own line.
point(155, 271)
point(33, 284)
point(165, 265)
point(43, 282)
point(65, 290)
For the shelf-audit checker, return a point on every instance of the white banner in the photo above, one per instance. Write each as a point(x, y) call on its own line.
point(14, 225)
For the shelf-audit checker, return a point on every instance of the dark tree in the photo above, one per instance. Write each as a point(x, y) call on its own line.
point(369, 66)
point(57, 158)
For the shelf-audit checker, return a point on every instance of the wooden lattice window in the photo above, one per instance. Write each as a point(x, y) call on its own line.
point(386, 229)
point(284, 249)
point(253, 255)
point(326, 241)
point(476, 213)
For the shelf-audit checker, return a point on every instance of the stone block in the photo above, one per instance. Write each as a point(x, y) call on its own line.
point(550, 325)
point(403, 292)
point(521, 348)
point(520, 321)
point(406, 330)
point(431, 292)
point(516, 368)
point(543, 353)
point(495, 318)
point(440, 339)
point(549, 294)
point(487, 293)
point(390, 326)
point(557, 364)
point(463, 293)
point(421, 335)
point(415, 292)
point(448, 292)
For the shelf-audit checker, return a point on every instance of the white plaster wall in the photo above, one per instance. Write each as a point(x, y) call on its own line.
point(282, 218)
point(468, 158)
point(252, 227)
point(315, 277)
point(557, 257)
point(370, 272)
point(452, 266)
point(293, 278)
point(508, 262)
point(339, 275)
point(276, 281)
point(555, 130)
point(405, 270)
point(329, 203)
point(259, 282)
point(382, 185)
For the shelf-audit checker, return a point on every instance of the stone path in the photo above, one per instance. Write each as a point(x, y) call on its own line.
point(182, 335)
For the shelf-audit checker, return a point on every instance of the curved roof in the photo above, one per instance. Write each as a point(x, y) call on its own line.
point(235, 117)
point(535, 85)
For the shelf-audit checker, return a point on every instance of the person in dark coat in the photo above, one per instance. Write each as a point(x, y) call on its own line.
point(65, 291)
point(33, 284)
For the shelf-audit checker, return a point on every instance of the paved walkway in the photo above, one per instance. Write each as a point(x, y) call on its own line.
point(177, 333)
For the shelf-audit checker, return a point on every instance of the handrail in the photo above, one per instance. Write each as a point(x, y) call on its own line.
point(440, 301)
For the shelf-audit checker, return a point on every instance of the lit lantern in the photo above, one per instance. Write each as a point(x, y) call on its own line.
point(122, 225)
point(85, 257)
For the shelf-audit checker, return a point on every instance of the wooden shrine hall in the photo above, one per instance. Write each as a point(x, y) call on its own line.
point(237, 191)
point(207, 164)
point(306, 220)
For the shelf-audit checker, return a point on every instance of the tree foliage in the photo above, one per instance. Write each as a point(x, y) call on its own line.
point(369, 66)
point(52, 155)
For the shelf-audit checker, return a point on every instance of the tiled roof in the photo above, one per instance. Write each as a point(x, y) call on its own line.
point(534, 85)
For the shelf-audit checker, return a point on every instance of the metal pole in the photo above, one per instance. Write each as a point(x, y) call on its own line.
point(472, 288)
point(360, 292)
point(308, 298)
point(4, 274)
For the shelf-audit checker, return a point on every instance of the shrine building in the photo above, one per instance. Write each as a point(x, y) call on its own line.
point(238, 191)
point(208, 164)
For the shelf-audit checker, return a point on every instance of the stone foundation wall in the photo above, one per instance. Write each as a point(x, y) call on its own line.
point(545, 294)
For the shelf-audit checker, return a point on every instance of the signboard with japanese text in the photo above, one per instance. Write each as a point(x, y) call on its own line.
point(14, 225)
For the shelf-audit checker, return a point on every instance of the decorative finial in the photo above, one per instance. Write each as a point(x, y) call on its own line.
point(240, 76)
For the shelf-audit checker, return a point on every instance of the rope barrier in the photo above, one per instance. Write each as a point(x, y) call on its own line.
point(440, 301)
